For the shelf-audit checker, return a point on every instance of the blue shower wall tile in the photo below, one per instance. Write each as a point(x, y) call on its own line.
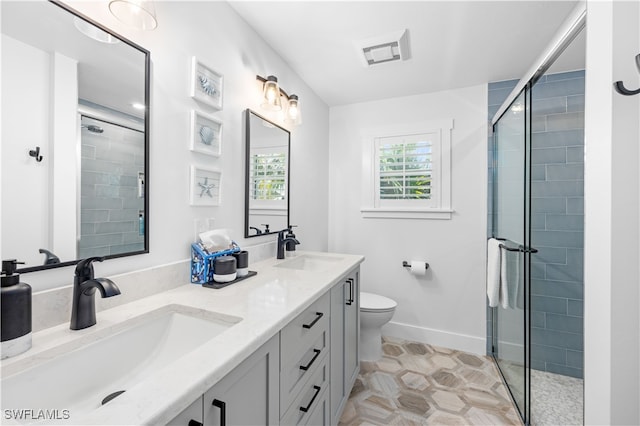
point(557, 189)
point(575, 359)
point(548, 354)
point(550, 105)
point(549, 155)
point(558, 290)
point(555, 305)
point(569, 272)
point(568, 121)
point(575, 307)
point(497, 96)
point(564, 222)
point(575, 205)
point(571, 239)
point(565, 172)
point(538, 319)
point(550, 255)
point(538, 172)
point(559, 339)
point(538, 270)
point(575, 103)
point(564, 323)
point(552, 89)
point(559, 138)
point(575, 154)
point(548, 205)
point(538, 221)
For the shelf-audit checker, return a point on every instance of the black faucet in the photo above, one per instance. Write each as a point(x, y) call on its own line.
point(282, 241)
point(83, 310)
point(258, 231)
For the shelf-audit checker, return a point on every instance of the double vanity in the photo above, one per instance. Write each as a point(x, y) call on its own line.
point(279, 348)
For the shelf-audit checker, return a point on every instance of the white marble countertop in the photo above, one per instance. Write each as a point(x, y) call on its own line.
point(265, 302)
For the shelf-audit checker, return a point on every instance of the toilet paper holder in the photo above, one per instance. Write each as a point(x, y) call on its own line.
point(408, 265)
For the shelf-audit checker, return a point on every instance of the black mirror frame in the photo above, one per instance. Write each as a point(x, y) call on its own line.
point(247, 166)
point(147, 91)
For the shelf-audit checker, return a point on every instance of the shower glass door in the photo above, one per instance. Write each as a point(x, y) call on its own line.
point(510, 222)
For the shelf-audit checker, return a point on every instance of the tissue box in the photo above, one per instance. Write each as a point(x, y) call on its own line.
point(202, 262)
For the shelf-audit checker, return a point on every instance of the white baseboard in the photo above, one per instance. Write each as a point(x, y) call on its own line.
point(461, 342)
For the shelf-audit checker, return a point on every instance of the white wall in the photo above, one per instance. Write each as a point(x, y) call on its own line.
point(612, 211)
point(214, 33)
point(25, 199)
point(447, 306)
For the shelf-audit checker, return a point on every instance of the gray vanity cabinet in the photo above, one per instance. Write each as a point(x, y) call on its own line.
point(345, 338)
point(302, 376)
point(249, 395)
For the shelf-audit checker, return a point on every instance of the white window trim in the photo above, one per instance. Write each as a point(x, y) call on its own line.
point(444, 210)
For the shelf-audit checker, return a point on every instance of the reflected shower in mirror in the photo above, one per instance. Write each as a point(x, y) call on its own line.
point(76, 95)
point(267, 176)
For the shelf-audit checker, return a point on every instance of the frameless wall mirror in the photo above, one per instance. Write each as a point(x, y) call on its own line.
point(267, 176)
point(75, 140)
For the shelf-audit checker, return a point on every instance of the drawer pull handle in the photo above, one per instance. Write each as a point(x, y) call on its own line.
point(350, 300)
point(319, 315)
point(305, 409)
point(195, 423)
point(223, 411)
point(306, 367)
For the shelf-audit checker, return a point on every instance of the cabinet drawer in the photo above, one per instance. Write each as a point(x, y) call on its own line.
point(294, 374)
point(299, 335)
point(312, 395)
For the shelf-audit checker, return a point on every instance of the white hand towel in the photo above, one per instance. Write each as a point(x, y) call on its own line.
point(493, 272)
point(509, 279)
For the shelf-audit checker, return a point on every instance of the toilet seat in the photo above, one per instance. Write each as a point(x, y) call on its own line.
point(370, 302)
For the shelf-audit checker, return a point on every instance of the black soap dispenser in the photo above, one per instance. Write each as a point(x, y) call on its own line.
point(290, 247)
point(15, 301)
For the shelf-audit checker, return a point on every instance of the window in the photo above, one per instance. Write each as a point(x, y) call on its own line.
point(409, 172)
point(404, 169)
point(268, 178)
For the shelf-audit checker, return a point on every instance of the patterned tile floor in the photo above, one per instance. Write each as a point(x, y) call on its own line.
point(419, 384)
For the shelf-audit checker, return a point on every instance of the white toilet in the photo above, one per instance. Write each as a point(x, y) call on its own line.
point(375, 311)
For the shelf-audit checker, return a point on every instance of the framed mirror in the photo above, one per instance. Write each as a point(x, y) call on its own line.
point(75, 138)
point(267, 176)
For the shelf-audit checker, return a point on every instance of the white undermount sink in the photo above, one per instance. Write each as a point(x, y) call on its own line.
point(310, 262)
point(79, 380)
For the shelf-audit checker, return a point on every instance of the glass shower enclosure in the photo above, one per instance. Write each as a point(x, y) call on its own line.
point(536, 188)
point(511, 225)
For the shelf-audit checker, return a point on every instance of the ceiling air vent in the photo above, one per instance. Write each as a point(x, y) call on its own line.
point(381, 49)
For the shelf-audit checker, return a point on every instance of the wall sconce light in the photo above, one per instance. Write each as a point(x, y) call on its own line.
point(140, 14)
point(293, 111)
point(271, 101)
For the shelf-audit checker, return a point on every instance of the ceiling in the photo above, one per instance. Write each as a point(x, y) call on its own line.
point(452, 43)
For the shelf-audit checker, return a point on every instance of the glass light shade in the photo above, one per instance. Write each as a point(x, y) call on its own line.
point(293, 110)
point(271, 95)
point(140, 14)
point(94, 32)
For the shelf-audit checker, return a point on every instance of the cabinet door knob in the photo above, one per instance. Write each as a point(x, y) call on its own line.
point(306, 367)
point(223, 411)
point(195, 423)
point(305, 409)
point(312, 323)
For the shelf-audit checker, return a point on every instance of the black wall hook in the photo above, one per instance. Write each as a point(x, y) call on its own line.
point(36, 154)
point(619, 85)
